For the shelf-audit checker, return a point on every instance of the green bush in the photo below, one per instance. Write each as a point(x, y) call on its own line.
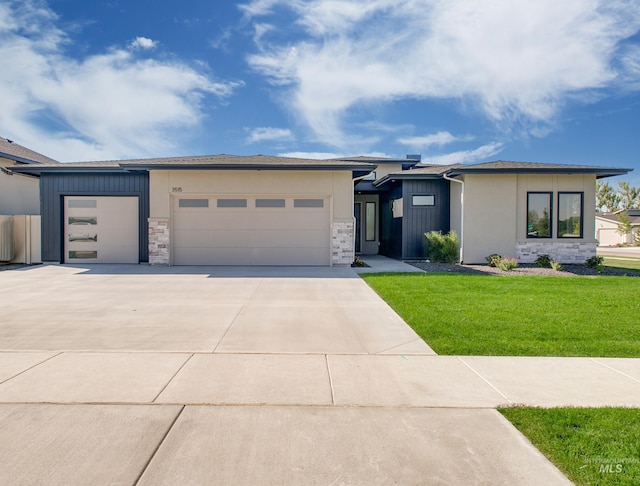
point(507, 263)
point(493, 259)
point(443, 248)
point(594, 262)
point(557, 266)
point(543, 261)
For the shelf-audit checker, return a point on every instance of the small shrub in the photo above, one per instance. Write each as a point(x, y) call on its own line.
point(443, 248)
point(358, 263)
point(507, 264)
point(493, 259)
point(594, 262)
point(557, 266)
point(543, 261)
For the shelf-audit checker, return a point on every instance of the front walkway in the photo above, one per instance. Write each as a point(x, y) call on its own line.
point(209, 375)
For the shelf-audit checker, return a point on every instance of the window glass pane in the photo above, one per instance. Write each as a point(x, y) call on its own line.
point(82, 254)
point(83, 220)
point(570, 215)
point(270, 203)
point(370, 177)
point(86, 237)
point(82, 203)
point(193, 203)
point(425, 200)
point(370, 221)
point(232, 203)
point(539, 215)
point(308, 203)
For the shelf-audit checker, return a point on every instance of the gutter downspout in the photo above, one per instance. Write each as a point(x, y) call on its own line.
point(461, 214)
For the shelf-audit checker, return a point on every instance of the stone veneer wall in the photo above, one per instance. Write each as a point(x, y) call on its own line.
point(560, 251)
point(342, 243)
point(158, 241)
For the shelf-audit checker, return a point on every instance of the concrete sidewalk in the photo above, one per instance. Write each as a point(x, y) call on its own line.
point(209, 375)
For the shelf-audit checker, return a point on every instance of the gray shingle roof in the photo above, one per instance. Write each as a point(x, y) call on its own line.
point(634, 219)
point(423, 171)
point(255, 162)
point(504, 166)
point(16, 152)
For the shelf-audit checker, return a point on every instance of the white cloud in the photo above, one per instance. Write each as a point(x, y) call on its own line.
point(332, 155)
point(425, 141)
point(465, 156)
point(109, 105)
point(143, 43)
point(262, 134)
point(517, 62)
point(312, 155)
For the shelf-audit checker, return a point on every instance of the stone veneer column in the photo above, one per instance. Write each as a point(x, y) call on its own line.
point(159, 241)
point(560, 251)
point(342, 251)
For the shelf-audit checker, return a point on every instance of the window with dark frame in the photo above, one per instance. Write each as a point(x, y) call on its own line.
point(539, 213)
point(570, 214)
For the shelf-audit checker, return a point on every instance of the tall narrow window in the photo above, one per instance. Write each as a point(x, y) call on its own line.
point(370, 221)
point(570, 214)
point(539, 215)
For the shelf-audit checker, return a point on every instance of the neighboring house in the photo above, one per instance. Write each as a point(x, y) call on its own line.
point(261, 210)
point(607, 224)
point(19, 204)
point(19, 194)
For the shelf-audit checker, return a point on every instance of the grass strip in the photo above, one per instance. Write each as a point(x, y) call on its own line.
point(459, 314)
point(624, 263)
point(592, 446)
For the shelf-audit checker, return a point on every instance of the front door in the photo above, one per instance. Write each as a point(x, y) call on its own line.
point(366, 212)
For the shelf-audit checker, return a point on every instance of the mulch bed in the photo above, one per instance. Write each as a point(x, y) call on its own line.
point(523, 269)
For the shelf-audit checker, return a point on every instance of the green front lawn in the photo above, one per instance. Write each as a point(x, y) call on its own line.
point(462, 314)
point(590, 445)
point(625, 263)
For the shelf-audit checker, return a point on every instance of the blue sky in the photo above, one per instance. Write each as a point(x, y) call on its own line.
point(456, 81)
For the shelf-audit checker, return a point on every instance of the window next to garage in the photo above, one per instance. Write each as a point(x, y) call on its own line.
point(539, 210)
point(570, 215)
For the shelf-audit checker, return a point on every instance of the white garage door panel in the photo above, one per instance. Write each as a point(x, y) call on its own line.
point(101, 229)
point(250, 220)
point(254, 256)
point(250, 238)
point(252, 235)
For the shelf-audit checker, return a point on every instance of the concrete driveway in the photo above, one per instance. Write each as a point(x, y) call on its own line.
point(146, 375)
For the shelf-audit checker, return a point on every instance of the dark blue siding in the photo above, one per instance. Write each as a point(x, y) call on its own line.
point(53, 188)
point(418, 220)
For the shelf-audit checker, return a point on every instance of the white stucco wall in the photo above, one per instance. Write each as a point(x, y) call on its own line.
point(19, 194)
point(495, 217)
point(489, 216)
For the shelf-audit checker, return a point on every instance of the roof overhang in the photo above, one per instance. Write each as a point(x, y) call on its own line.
point(408, 174)
point(599, 172)
point(16, 159)
point(358, 169)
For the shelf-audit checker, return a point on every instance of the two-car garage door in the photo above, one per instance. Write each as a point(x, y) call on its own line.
point(250, 230)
